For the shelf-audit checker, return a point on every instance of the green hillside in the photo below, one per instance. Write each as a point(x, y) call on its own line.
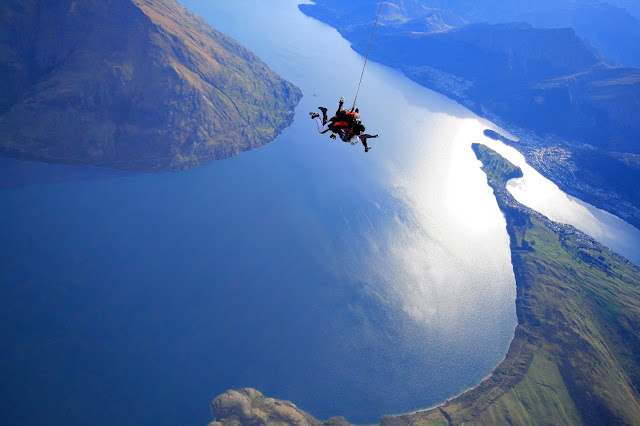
point(575, 357)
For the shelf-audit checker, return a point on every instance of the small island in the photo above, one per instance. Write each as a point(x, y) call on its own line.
point(140, 85)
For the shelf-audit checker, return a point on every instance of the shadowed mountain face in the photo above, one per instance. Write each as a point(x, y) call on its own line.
point(609, 27)
point(546, 80)
point(132, 84)
point(549, 80)
point(613, 31)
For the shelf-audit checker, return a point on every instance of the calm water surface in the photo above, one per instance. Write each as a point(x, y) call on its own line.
point(352, 284)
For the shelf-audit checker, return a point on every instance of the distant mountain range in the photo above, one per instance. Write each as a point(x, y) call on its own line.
point(547, 80)
point(612, 27)
point(131, 84)
point(548, 86)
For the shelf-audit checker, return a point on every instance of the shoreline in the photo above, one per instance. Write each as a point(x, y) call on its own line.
point(569, 362)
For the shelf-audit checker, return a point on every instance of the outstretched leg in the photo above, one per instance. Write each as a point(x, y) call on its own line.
point(324, 115)
point(340, 106)
point(363, 139)
point(364, 142)
point(322, 127)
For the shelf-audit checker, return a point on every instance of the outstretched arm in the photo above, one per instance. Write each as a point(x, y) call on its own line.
point(340, 105)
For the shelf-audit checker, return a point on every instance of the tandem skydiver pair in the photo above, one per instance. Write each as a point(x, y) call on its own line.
point(345, 123)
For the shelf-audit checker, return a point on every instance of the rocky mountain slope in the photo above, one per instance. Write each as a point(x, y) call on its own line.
point(131, 84)
point(249, 407)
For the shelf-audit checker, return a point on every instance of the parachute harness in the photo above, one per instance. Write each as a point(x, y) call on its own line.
point(367, 57)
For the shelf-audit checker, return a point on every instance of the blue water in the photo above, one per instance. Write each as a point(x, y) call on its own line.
point(351, 284)
point(135, 300)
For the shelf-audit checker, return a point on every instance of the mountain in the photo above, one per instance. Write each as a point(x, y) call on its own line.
point(131, 84)
point(575, 356)
point(354, 19)
point(499, 11)
point(609, 27)
point(547, 80)
point(611, 30)
point(547, 86)
point(631, 5)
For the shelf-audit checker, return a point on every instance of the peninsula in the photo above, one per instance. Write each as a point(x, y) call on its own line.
point(139, 85)
point(575, 356)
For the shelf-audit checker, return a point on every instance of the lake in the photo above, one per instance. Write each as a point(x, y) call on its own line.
point(349, 283)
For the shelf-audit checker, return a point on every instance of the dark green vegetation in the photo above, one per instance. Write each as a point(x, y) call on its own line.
point(575, 356)
point(548, 86)
point(132, 84)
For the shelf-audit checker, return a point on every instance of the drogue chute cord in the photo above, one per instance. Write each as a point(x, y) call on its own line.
point(367, 57)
